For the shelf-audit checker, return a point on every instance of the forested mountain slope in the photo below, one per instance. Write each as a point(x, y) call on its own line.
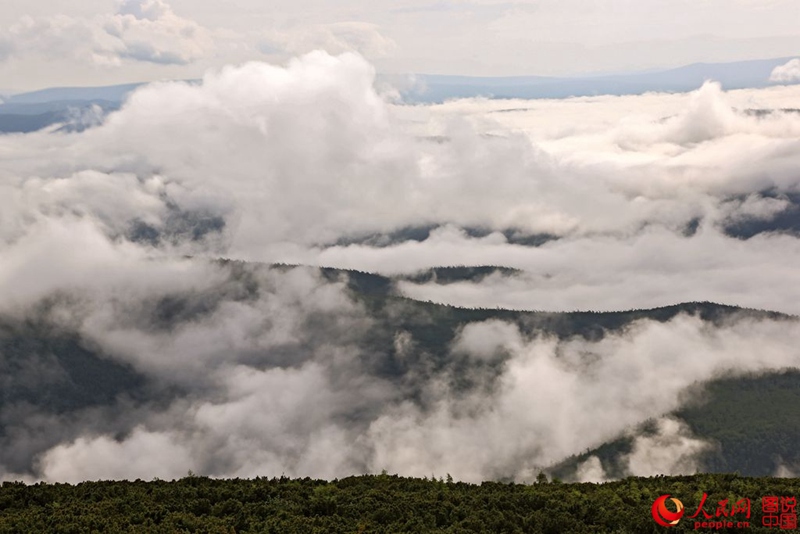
point(51, 372)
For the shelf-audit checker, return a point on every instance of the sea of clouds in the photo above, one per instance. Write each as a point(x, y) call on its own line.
point(637, 197)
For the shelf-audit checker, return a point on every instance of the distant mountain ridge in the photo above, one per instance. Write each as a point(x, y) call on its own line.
point(114, 93)
point(36, 110)
point(74, 108)
point(430, 87)
point(734, 75)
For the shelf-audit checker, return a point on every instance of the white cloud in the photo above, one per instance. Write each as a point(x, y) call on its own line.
point(143, 454)
point(317, 410)
point(592, 471)
point(787, 73)
point(784, 471)
point(336, 38)
point(468, 38)
point(484, 340)
point(292, 157)
point(671, 450)
point(655, 268)
point(288, 158)
point(142, 30)
point(558, 399)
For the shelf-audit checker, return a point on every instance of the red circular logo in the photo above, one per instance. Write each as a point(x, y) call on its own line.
point(663, 516)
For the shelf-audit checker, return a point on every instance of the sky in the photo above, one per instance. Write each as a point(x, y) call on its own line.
point(45, 43)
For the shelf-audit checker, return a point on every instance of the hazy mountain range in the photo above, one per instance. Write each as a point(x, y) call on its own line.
point(736, 75)
point(77, 107)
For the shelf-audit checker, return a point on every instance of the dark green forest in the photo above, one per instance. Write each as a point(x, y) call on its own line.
point(754, 421)
point(374, 503)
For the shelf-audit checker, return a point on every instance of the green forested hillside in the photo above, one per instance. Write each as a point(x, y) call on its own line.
point(374, 503)
point(47, 368)
point(753, 421)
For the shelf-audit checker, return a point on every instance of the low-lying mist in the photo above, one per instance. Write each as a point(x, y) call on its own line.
point(109, 239)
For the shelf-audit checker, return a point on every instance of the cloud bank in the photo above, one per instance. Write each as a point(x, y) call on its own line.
point(672, 450)
point(336, 38)
point(141, 30)
point(790, 72)
point(266, 372)
point(243, 370)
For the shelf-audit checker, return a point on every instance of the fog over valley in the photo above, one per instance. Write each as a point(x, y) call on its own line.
point(294, 270)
